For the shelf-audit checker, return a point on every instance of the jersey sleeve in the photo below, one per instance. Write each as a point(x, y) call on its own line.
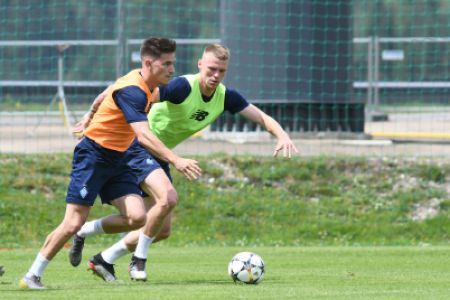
point(175, 91)
point(132, 101)
point(234, 101)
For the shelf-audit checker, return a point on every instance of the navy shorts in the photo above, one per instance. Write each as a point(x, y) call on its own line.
point(99, 171)
point(142, 163)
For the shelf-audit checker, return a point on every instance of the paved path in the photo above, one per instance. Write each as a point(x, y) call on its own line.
point(19, 134)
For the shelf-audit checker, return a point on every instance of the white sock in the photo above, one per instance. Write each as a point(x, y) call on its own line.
point(143, 245)
point(91, 228)
point(117, 250)
point(38, 266)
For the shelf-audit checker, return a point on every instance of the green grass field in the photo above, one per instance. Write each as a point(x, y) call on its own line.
point(291, 273)
point(326, 227)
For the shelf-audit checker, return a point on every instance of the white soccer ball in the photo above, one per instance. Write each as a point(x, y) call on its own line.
point(246, 267)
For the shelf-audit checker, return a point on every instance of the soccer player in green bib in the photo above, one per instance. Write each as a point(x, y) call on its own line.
point(185, 106)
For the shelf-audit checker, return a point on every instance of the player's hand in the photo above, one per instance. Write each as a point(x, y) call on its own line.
point(286, 145)
point(188, 167)
point(78, 129)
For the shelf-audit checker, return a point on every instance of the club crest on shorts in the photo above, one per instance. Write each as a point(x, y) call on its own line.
point(83, 192)
point(149, 161)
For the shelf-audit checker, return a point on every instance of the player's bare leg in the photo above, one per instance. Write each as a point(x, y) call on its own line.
point(74, 218)
point(161, 190)
point(123, 247)
point(132, 216)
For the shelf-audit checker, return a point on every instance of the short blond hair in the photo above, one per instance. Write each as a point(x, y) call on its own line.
point(219, 51)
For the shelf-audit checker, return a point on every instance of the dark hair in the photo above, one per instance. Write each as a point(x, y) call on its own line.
point(156, 46)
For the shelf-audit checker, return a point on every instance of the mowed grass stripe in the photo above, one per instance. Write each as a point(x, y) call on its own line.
point(291, 273)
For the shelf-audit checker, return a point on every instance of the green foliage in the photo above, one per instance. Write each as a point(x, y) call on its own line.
point(32, 194)
point(245, 200)
point(431, 172)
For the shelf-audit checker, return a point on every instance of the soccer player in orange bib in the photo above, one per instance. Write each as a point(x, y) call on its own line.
point(99, 165)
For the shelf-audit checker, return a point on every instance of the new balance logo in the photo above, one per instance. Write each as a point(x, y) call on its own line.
point(200, 115)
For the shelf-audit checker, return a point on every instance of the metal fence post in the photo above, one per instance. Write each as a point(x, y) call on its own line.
point(376, 71)
point(370, 71)
point(121, 39)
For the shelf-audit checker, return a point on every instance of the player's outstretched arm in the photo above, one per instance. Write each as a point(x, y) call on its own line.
point(284, 142)
point(78, 128)
point(188, 167)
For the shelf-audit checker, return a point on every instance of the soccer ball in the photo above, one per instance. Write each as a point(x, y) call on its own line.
point(246, 267)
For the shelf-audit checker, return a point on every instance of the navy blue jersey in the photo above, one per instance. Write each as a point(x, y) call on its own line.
point(178, 89)
point(132, 101)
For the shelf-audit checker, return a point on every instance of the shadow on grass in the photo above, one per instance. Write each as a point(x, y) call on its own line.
point(191, 282)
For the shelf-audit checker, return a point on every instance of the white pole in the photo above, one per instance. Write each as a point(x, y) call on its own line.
point(60, 93)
